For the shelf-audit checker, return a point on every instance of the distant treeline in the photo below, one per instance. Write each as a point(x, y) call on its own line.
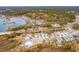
point(5, 10)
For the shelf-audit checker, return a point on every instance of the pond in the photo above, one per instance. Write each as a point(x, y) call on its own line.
point(11, 23)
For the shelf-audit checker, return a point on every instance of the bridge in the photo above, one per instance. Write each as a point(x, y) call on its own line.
point(10, 32)
point(4, 33)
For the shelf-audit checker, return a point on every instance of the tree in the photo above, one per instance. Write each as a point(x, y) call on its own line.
point(75, 26)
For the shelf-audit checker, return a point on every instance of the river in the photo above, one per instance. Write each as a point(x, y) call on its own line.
point(12, 22)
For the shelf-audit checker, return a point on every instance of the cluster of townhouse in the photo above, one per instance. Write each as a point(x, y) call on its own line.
point(32, 39)
point(67, 34)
